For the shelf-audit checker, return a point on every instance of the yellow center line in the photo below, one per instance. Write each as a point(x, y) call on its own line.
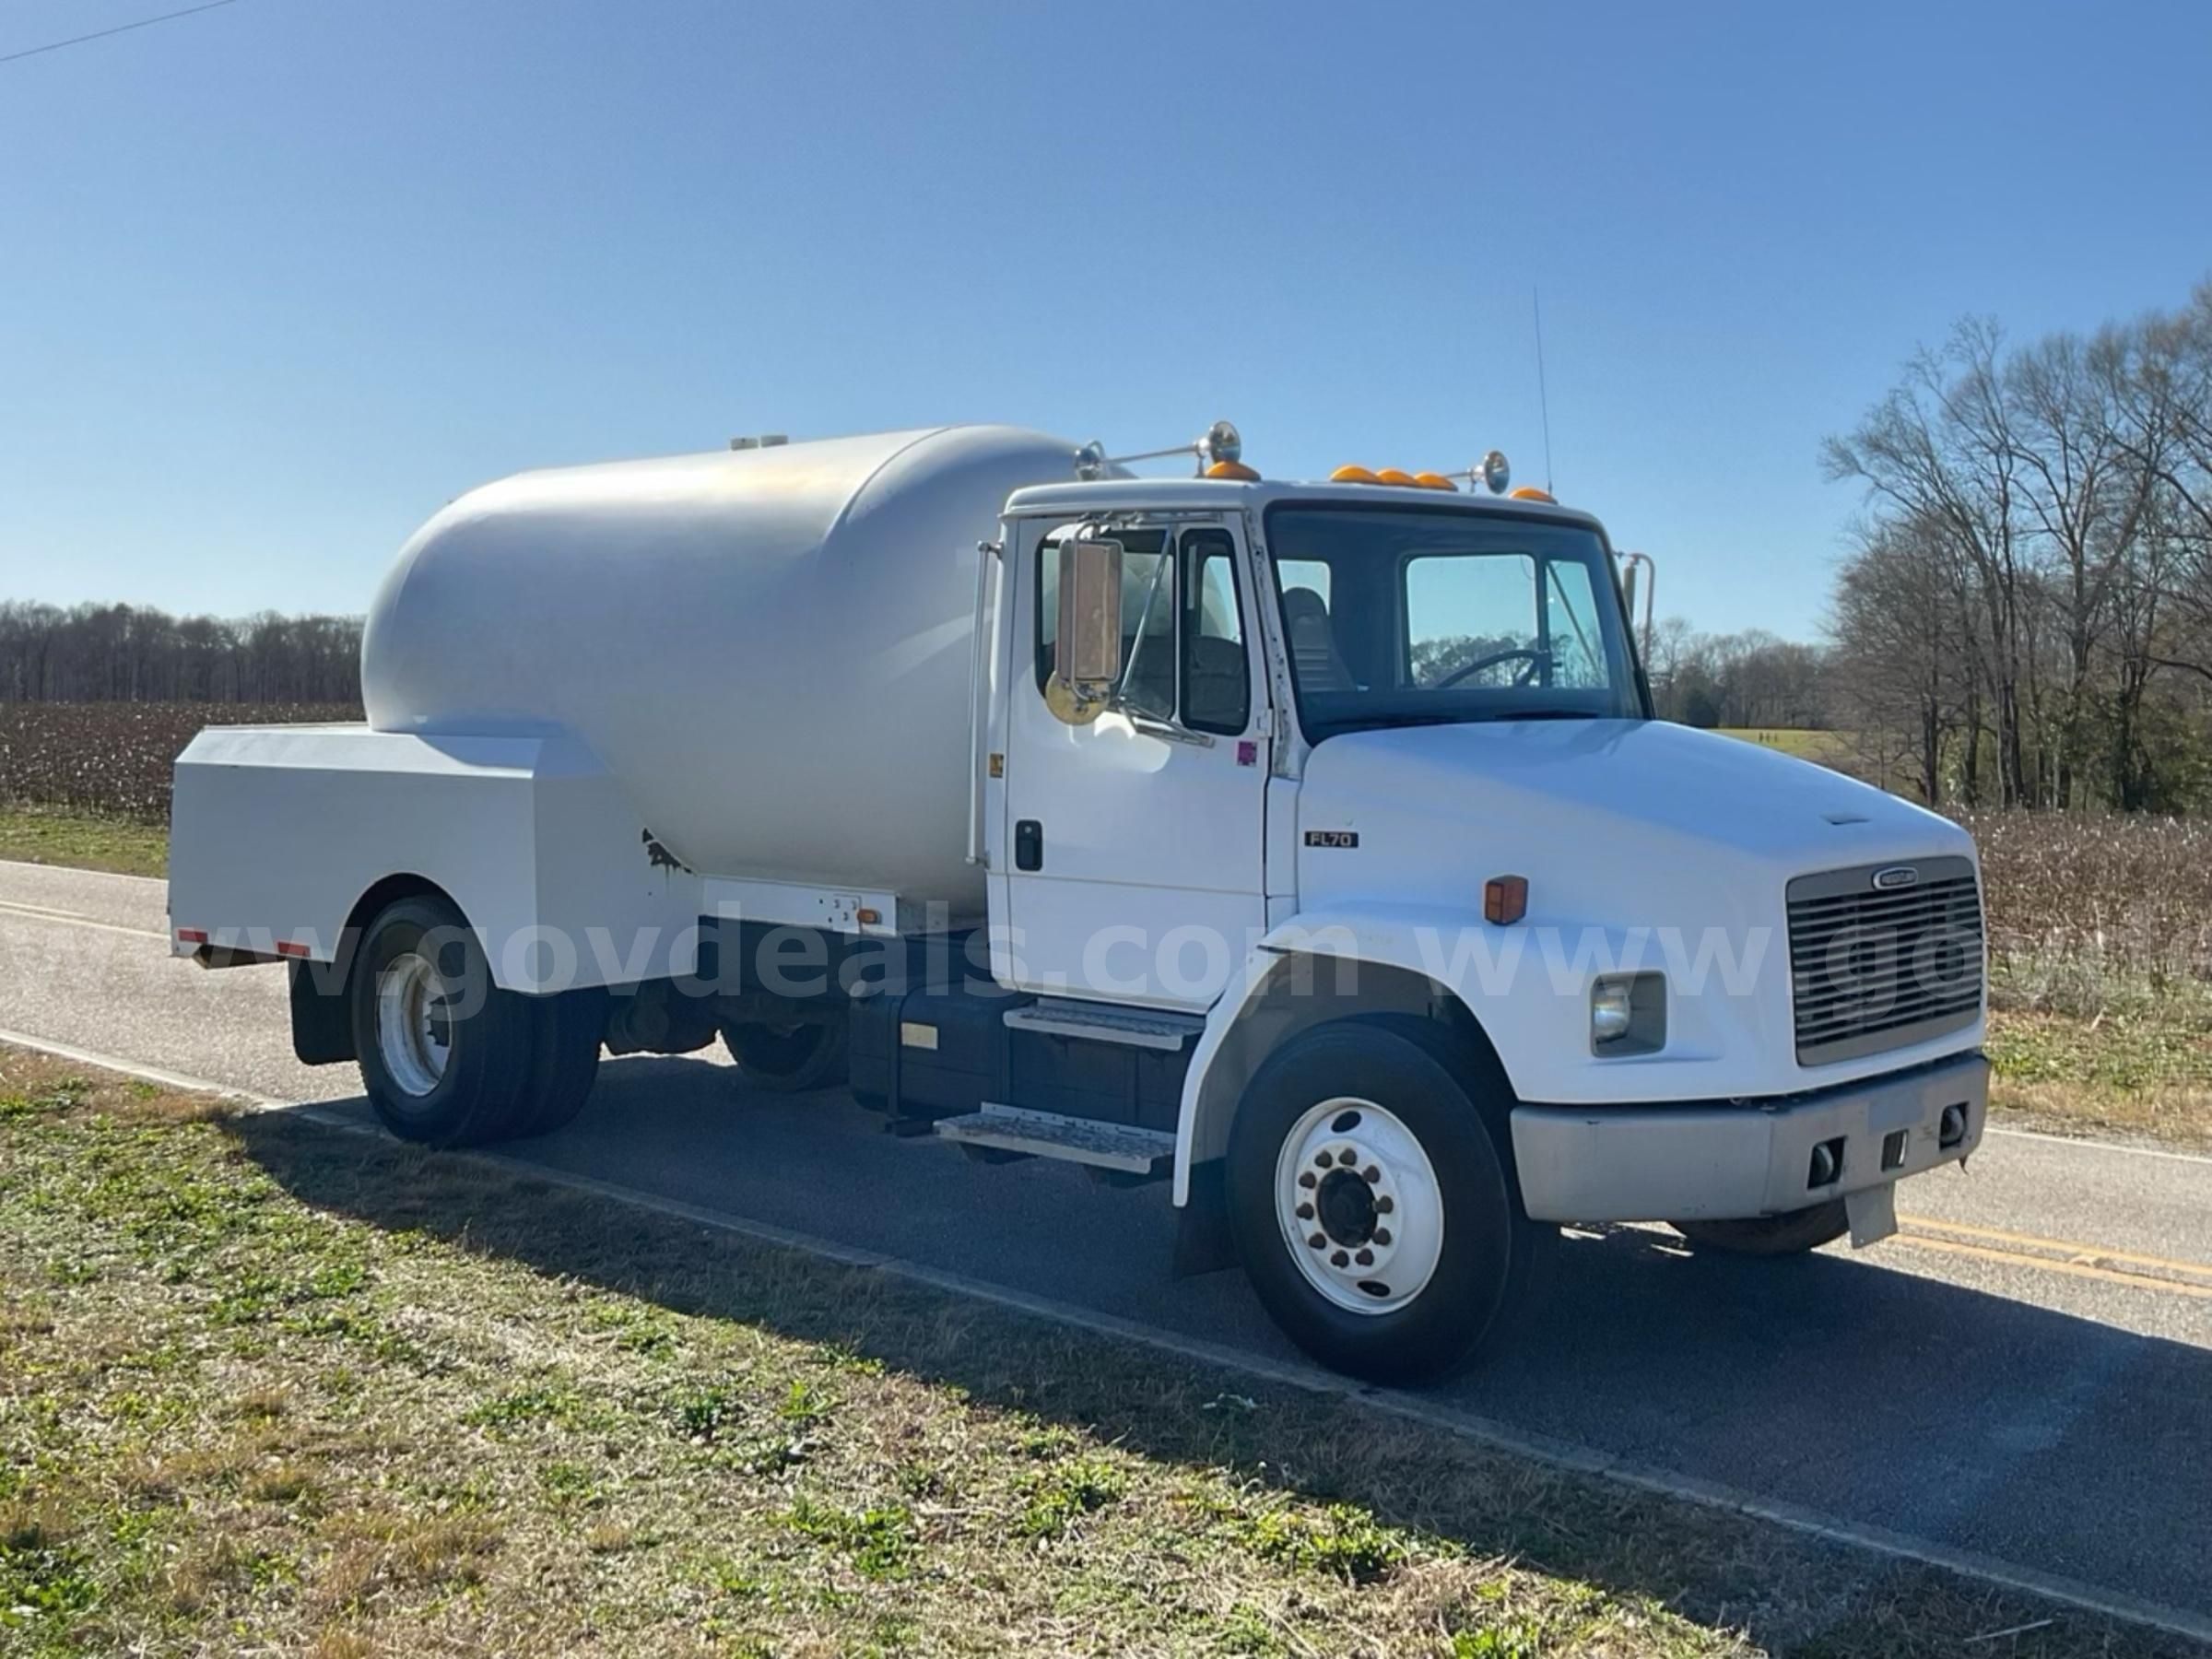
point(2082, 1255)
point(2073, 1269)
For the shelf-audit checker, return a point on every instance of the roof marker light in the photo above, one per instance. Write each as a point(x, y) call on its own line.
point(1233, 469)
point(1435, 480)
point(1394, 474)
point(1529, 493)
point(1353, 474)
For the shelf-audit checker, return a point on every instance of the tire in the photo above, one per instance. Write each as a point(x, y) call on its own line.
point(1400, 1096)
point(565, 1061)
point(461, 1082)
point(788, 1059)
point(1791, 1234)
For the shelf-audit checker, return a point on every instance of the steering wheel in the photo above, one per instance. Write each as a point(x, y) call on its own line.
point(1534, 658)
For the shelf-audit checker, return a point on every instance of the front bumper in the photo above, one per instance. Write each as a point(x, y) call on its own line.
point(1733, 1159)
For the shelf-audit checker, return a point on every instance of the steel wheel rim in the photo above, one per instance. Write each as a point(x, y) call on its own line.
point(414, 1034)
point(1351, 1174)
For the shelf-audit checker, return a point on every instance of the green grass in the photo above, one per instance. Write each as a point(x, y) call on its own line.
point(1793, 740)
point(53, 835)
point(270, 1386)
point(2142, 1069)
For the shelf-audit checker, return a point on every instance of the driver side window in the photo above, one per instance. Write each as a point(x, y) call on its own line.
point(1216, 684)
point(1182, 628)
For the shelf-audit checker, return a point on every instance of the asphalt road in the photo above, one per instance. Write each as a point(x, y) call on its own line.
point(2026, 1373)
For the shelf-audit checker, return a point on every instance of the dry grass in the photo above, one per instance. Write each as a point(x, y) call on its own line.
point(268, 1386)
point(2084, 909)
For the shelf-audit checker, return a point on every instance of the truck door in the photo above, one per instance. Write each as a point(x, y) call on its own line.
point(1134, 846)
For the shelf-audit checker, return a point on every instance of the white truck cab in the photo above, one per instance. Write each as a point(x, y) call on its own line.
point(1307, 845)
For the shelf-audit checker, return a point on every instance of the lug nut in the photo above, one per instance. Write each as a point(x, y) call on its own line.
point(1305, 1212)
point(1306, 1179)
point(1385, 1204)
point(1371, 1175)
point(1347, 1157)
point(1381, 1235)
point(1366, 1258)
point(1318, 1240)
point(1320, 1160)
point(1340, 1260)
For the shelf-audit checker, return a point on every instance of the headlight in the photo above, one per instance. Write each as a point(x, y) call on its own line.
point(1628, 1014)
point(1611, 1010)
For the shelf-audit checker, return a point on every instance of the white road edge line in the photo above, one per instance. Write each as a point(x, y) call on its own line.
point(35, 912)
point(2098, 1146)
point(1561, 1453)
point(29, 864)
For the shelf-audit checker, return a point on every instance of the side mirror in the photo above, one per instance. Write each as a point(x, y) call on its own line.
point(1087, 653)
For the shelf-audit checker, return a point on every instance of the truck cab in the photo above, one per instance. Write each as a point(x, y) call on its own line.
point(1357, 782)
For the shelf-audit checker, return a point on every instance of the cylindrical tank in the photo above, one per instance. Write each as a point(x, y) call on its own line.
point(768, 648)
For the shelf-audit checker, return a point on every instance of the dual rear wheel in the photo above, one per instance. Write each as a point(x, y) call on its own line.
point(447, 1057)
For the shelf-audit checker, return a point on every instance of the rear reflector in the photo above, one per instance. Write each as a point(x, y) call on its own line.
point(290, 948)
point(192, 935)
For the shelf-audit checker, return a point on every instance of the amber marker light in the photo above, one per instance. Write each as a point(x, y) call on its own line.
point(1504, 899)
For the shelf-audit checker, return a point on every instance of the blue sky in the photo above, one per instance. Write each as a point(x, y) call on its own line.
point(278, 280)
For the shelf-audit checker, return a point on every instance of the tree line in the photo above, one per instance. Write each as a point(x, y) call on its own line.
point(2025, 617)
point(132, 653)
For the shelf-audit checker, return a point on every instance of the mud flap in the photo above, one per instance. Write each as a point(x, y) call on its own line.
point(1204, 1242)
point(1872, 1213)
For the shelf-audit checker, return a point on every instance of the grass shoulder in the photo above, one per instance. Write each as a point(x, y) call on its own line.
point(82, 841)
point(268, 1386)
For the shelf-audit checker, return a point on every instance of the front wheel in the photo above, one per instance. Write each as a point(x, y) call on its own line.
point(1791, 1234)
point(1375, 1214)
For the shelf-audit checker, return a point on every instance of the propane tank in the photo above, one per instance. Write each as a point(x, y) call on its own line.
point(768, 648)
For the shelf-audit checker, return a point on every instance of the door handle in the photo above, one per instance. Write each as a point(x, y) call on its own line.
point(1029, 844)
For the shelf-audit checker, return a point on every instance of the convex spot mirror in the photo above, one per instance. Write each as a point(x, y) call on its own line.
point(1087, 651)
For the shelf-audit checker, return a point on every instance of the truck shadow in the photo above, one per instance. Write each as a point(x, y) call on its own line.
point(1910, 1404)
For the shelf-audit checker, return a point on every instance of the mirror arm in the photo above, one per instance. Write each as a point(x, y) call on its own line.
point(1147, 726)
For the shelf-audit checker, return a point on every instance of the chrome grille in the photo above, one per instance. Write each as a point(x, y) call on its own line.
point(1874, 968)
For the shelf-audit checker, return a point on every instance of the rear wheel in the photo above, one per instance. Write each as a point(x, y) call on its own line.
point(1374, 1211)
point(445, 1054)
point(1791, 1234)
point(565, 1062)
point(788, 1057)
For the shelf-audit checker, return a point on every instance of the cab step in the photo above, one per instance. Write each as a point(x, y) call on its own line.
point(1050, 1135)
point(1136, 1028)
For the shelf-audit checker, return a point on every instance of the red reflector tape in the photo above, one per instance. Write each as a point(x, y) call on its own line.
point(290, 948)
point(192, 935)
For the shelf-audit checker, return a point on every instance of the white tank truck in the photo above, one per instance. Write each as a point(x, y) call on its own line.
point(1308, 845)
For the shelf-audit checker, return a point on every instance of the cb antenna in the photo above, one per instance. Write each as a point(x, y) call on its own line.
point(1535, 300)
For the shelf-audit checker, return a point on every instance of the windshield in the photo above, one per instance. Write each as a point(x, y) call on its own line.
point(1405, 617)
